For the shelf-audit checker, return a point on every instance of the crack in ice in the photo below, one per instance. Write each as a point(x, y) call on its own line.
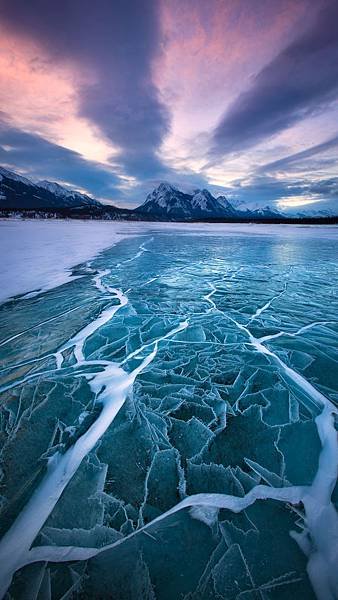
point(110, 387)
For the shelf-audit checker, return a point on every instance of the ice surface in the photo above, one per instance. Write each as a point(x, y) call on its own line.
point(168, 419)
point(37, 255)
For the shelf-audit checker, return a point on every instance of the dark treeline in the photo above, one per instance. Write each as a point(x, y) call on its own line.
point(113, 213)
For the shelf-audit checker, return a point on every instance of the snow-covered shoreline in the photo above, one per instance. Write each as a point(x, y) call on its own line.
point(38, 255)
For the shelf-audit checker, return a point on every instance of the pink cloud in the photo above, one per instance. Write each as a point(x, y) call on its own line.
point(41, 97)
point(210, 53)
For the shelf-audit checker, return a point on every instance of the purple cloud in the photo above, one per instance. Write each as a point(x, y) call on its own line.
point(41, 159)
point(300, 81)
point(116, 42)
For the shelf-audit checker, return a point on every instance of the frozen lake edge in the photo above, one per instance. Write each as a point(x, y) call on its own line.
point(40, 254)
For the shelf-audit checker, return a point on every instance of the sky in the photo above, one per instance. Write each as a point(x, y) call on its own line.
point(114, 96)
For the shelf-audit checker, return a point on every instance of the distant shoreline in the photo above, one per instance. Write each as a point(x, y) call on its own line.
point(130, 216)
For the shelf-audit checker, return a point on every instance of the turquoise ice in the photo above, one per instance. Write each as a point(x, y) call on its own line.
point(168, 423)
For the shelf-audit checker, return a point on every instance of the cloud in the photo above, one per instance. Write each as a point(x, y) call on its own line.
point(114, 45)
point(40, 159)
point(264, 189)
point(41, 97)
point(301, 80)
point(327, 188)
point(297, 157)
point(93, 83)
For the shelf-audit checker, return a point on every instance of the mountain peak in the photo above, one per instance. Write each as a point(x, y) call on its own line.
point(204, 201)
point(166, 201)
point(14, 176)
point(54, 187)
point(202, 194)
point(164, 186)
point(24, 193)
point(65, 193)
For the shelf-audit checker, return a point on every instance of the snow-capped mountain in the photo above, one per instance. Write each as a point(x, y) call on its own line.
point(265, 212)
point(70, 197)
point(5, 173)
point(255, 208)
point(166, 201)
point(315, 213)
point(226, 204)
point(202, 201)
point(17, 192)
point(21, 196)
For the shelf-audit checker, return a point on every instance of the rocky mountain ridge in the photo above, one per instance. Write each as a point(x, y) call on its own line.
point(19, 196)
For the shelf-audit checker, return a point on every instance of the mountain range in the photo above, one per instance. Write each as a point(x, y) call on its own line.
point(165, 203)
point(168, 201)
point(21, 193)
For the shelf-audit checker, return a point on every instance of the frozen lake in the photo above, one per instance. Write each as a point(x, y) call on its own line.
point(168, 409)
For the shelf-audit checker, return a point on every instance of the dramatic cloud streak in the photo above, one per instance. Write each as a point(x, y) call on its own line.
point(115, 96)
point(299, 157)
point(41, 97)
point(114, 45)
point(300, 80)
point(36, 156)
